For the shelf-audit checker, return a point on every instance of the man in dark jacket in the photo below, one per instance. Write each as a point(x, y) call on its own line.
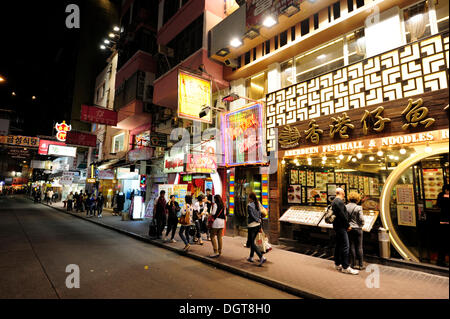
point(172, 220)
point(160, 214)
point(341, 226)
point(100, 203)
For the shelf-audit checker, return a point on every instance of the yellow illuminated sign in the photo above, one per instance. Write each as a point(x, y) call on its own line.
point(194, 93)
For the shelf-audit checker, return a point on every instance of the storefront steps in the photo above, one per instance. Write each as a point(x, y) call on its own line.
point(295, 273)
point(328, 253)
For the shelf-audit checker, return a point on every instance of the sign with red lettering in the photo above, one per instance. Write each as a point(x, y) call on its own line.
point(173, 161)
point(94, 114)
point(44, 144)
point(202, 159)
point(61, 131)
point(81, 139)
point(242, 135)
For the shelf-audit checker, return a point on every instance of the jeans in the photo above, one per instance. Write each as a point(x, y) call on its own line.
point(216, 239)
point(69, 205)
point(99, 210)
point(198, 229)
point(184, 230)
point(342, 248)
point(253, 231)
point(160, 224)
point(172, 226)
point(355, 237)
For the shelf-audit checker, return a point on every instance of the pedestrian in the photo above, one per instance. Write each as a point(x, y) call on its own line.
point(218, 213)
point(88, 204)
point(209, 205)
point(50, 197)
point(172, 219)
point(341, 226)
point(355, 235)
point(443, 202)
point(99, 205)
point(186, 221)
point(69, 200)
point(200, 209)
point(254, 226)
point(160, 214)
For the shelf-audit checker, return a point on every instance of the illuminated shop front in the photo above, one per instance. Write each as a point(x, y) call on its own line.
point(242, 135)
point(374, 127)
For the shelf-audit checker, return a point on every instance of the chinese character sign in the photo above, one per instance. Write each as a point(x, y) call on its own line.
point(242, 135)
point(93, 114)
point(61, 131)
point(194, 93)
point(17, 140)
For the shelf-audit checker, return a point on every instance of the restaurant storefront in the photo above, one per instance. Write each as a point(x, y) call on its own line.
point(378, 127)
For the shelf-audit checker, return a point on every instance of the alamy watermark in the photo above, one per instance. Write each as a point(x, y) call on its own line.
point(73, 19)
point(73, 280)
point(373, 280)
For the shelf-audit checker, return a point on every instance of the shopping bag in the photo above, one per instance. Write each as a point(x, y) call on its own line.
point(152, 229)
point(259, 242)
point(267, 246)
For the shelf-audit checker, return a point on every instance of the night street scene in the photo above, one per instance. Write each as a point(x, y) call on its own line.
point(227, 158)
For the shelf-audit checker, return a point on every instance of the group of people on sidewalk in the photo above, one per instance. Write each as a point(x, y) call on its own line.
point(93, 205)
point(206, 216)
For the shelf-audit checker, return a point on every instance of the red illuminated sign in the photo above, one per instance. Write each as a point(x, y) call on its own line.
point(82, 139)
point(44, 144)
point(93, 114)
point(61, 131)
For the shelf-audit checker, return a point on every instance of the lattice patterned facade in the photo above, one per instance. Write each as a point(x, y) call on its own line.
point(410, 70)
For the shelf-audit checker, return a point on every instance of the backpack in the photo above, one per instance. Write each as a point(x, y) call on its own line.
point(329, 215)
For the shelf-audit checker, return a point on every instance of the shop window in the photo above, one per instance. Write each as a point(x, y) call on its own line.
point(359, 3)
point(356, 44)
point(304, 27)
point(316, 21)
point(293, 33)
point(441, 8)
point(287, 73)
point(283, 38)
point(321, 60)
point(417, 22)
point(350, 5)
point(275, 42)
point(256, 86)
point(118, 143)
point(336, 10)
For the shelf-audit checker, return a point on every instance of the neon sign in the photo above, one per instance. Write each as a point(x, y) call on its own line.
point(61, 131)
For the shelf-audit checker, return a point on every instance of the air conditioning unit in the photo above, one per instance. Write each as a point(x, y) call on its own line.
point(162, 49)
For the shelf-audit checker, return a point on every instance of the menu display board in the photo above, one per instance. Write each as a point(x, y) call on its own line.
point(294, 194)
point(303, 215)
point(369, 217)
point(294, 177)
point(406, 215)
point(374, 187)
point(310, 178)
point(339, 178)
point(366, 185)
point(302, 177)
point(405, 194)
point(433, 180)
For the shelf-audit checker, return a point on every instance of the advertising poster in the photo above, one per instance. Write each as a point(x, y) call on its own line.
point(405, 194)
point(406, 215)
point(194, 93)
point(294, 194)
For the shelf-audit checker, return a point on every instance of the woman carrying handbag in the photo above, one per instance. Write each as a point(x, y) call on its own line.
point(186, 221)
point(216, 223)
point(254, 226)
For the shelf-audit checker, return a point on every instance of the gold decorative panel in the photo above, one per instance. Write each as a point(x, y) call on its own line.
point(407, 71)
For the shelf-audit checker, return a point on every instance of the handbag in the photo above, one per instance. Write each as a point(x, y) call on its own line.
point(259, 242)
point(152, 229)
point(329, 215)
point(192, 230)
point(263, 210)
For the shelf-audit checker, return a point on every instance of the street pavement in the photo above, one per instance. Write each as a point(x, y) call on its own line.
point(302, 275)
point(37, 243)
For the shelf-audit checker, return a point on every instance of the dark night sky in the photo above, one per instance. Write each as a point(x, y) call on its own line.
point(37, 53)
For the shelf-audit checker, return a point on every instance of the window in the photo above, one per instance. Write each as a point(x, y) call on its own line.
point(275, 41)
point(359, 3)
point(247, 57)
point(287, 73)
point(118, 143)
point(441, 8)
point(350, 5)
point(256, 86)
point(329, 14)
point(262, 49)
point(100, 92)
point(356, 44)
point(254, 54)
point(283, 38)
point(293, 33)
point(170, 8)
point(321, 60)
point(267, 46)
point(417, 22)
point(336, 10)
point(316, 21)
point(304, 27)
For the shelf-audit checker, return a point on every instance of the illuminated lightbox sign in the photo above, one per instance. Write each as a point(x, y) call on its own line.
point(61, 131)
point(62, 150)
point(194, 93)
point(243, 135)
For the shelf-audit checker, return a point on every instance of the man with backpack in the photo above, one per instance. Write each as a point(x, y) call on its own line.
point(341, 226)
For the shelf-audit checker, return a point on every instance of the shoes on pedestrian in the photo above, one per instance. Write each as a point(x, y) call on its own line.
point(173, 241)
point(350, 271)
point(338, 267)
point(200, 243)
point(262, 261)
point(186, 248)
point(214, 256)
point(250, 259)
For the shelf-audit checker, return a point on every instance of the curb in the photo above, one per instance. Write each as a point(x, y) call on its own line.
point(258, 278)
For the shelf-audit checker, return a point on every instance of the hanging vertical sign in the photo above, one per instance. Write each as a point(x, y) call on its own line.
point(61, 131)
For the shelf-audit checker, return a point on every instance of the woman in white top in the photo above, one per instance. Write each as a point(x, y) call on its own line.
point(218, 213)
point(184, 229)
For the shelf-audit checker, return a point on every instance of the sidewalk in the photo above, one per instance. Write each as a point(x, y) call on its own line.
point(302, 275)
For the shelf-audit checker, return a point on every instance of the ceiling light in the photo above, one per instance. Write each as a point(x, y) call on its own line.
point(236, 42)
point(291, 10)
point(107, 42)
point(396, 158)
point(297, 164)
point(111, 35)
point(354, 159)
point(269, 21)
point(402, 151)
point(13, 93)
point(283, 162)
point(338, 161)
point(103, 47)
point(341, 156)
point(359, 155)
point(428, 149)
point(223, 52)
point(380, 153)
point(391, 156)
point(251, 33)
point(371, 158)
point(324, 158)
point(323, 162)
point(116, 28)
point(322, 56)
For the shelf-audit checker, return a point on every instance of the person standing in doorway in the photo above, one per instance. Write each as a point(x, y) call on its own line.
point(356, 221)
point(443, 202)
point(254, 226)
point(160, 214)
point(341, 226)
point(172, 219)
point(218, 213)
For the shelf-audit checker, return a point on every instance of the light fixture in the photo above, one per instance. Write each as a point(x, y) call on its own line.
point(235, 42)
point(13, 93)
point(33, 97)
point(402, 151)
point(223, 52)
point(251, 33)
point(103, 47)
point(341, 157)
point(283, 162)
point(322, 56)
point(428, 148)
point(359, 155)
point(353, 159)
point(298, 164)
point(323, 162)
point(391, 156)
point(324, 158)
point(396, 158)
point(116, 28)
point(111, 35)
point(269, 21)
point(338, 161)
point(291, 10)
point(2, 79)
point(371, 158)
point(380, 153)
point(107, 42)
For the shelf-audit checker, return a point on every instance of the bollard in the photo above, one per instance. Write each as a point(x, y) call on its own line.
point(384, 243)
